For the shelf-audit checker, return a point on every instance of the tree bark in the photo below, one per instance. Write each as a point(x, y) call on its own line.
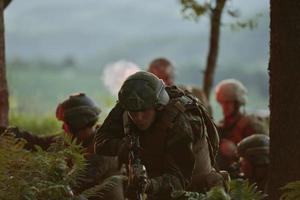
point(284, 74)
point(3, 82)
point(215, 23)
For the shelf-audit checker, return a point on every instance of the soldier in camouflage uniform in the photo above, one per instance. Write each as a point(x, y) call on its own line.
point(31, 139)
point(177, 137)
point(79, 115)
point(164, 70)
point(231, 94)
point(254, 159)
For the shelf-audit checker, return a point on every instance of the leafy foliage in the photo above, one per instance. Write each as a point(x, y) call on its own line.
point(191, 9)
point(239, 190)
point(40, 174)
point(250, 23)
point(217, 193)
point(243, 190)
point(291, 191)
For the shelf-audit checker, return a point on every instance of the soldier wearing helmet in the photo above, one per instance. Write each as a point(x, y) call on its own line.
point(31, 139)
point(231, 94)
point(164, 70)
point(79, 115)
point(173, 132)
point(254, 158)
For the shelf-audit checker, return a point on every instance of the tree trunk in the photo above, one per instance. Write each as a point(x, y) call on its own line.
point(3, 83)
point(215, 23)
point(284, 73)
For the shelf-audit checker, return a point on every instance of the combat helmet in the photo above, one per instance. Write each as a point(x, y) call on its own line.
point(255, 148)
point(142, 91)
point(78, 111)
point(231, 90)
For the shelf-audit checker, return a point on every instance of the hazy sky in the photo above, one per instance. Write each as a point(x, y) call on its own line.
point(138, 30)
point(98, 32)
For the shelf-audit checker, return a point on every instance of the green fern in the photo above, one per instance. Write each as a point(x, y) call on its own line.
point(243, 190)
point(185, 195)
point(239, 190)
point(217, 193)
point(291, 191)
point(38, 175)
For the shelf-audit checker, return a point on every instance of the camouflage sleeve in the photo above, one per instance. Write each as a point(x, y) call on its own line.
point(179, 160)
point(109, 137)
point(98, 168)
point(31, 139)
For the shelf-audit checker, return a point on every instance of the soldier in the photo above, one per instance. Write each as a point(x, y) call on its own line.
point(164, 70)
point(31, 139)
point(254, 159)
point(79, 115)
point(231, 94)
point(177, 138)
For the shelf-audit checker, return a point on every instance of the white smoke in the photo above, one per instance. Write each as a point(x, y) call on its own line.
point(114, 74)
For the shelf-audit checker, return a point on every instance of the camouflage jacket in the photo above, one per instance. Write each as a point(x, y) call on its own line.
point(167, 146)
point(31, 139)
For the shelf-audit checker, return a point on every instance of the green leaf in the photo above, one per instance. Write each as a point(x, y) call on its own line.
point(291, 191)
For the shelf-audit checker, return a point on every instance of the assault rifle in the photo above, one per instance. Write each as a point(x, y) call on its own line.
point(136, 170)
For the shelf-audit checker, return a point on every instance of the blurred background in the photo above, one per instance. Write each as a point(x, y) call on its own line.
point(58, 47)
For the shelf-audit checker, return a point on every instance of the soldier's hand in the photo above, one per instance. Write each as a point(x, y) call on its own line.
point(138, 184)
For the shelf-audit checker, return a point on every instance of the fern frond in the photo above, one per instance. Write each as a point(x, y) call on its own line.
point(40, 174)
point(242, 189)
point(291, 191)
point(217, 193)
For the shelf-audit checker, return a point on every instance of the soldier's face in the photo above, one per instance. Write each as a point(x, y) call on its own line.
point(143, 119)
point(228, 108)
